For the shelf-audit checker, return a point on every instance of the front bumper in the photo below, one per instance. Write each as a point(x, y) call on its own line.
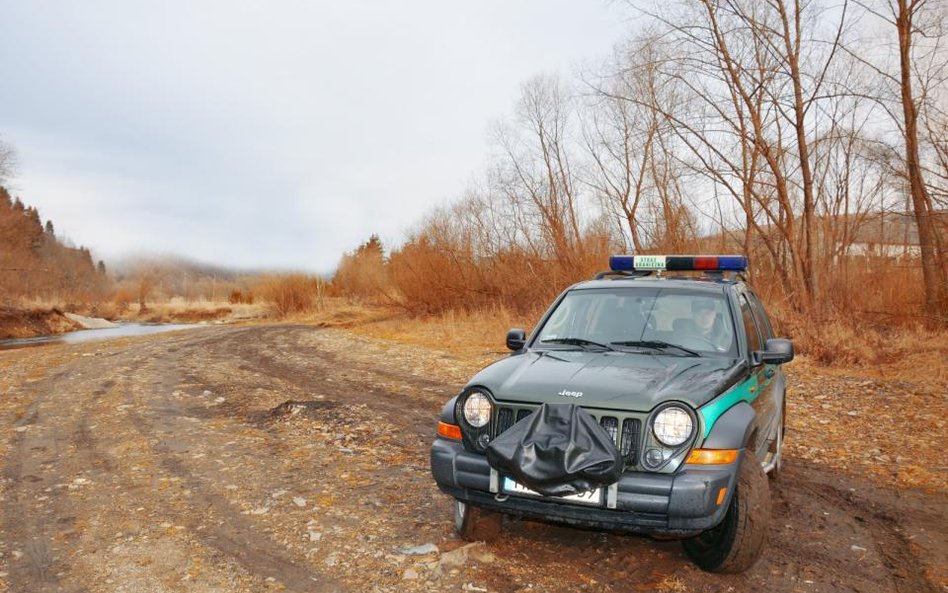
point(684, 503)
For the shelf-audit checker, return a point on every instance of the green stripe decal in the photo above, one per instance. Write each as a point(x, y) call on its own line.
point(742, 392)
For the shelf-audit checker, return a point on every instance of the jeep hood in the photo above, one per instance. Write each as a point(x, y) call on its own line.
point(612, 380)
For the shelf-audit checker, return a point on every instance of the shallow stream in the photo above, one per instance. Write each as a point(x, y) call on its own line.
point(90, 335)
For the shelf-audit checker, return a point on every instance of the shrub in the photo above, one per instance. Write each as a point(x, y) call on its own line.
point(291, 293)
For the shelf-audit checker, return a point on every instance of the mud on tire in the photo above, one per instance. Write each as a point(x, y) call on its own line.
point(474, 524)
point(736, 544)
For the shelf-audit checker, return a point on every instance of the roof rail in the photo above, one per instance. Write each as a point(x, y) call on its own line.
point(623, 273)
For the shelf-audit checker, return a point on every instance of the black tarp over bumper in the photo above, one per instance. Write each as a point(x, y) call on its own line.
point(557, 450)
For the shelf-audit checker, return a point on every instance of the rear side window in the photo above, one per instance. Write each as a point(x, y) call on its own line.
point(763, 322)
point(750, 326)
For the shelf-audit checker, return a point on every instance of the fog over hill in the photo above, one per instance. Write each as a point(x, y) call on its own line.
point(175, 264)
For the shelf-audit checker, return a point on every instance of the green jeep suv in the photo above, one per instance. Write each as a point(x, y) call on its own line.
point(644, 401)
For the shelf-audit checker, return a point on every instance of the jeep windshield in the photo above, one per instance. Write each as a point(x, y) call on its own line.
point(641, 319)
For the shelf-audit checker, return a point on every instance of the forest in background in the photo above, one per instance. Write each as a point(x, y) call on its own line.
point(35, 263)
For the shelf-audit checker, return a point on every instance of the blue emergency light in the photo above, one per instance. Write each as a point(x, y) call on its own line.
point(678, 263)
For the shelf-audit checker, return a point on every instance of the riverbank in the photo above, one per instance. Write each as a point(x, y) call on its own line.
point(28, 323)
point(31, 322)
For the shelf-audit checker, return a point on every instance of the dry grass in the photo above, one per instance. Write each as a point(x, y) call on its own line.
point(903, 352)
point(879, 349)
point(671, 584)
point(461, 332)
point(339, 312)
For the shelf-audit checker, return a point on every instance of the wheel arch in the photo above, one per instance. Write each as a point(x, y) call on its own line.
point(733, 429)
point(447, 411)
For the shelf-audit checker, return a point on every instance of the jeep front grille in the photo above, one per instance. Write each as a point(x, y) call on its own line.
point(631, 431)
point(611, 425)
point(627, 440)
point(504, 420)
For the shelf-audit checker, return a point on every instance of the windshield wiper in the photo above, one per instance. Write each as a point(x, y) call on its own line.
point(576, 342)
point(656, 345)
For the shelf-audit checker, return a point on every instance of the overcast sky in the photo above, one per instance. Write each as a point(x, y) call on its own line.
point(267, 134)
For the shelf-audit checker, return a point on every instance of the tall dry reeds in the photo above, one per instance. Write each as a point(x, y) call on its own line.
point(290, 294)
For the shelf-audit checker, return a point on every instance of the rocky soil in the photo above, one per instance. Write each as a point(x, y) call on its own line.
point(289, 458)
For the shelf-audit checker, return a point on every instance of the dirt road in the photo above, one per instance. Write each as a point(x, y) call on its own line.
point(288, 458)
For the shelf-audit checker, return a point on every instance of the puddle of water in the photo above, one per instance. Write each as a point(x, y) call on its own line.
point(90, 335)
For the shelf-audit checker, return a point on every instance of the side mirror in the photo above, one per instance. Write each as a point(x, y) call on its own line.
point(516, 338)
point(776, 351)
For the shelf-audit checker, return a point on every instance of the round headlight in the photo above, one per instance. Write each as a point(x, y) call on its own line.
point(477, 409)
point(673, 426)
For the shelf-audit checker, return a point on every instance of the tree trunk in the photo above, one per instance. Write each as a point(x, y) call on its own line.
point(932, 271)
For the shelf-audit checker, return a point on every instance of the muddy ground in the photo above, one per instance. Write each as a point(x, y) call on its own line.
point(288, 458)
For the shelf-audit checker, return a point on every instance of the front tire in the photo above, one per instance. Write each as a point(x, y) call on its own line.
point(475, 524)
point(736, 543)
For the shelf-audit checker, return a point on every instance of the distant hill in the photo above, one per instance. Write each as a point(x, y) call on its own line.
point(169, 276)
point(172, 265)
point(36, 264)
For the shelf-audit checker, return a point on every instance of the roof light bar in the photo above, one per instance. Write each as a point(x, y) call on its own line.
point(708, 263)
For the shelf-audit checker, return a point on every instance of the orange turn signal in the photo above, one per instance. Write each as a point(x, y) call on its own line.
point(449, 431)
point(721, 494)
point(712, 456)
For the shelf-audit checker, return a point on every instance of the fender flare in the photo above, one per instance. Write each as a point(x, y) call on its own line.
point(447, 411)
point(733, 428)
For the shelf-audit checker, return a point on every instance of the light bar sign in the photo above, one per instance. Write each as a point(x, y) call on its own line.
point(678, 263)
point(648, 262)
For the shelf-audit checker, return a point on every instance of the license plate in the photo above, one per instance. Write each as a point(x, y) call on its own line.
point(588, 497)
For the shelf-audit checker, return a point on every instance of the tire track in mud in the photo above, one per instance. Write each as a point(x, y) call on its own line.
point(34, 496)
point(890, 541)
point(230, 533)
point(311, 361)
point(33, 536)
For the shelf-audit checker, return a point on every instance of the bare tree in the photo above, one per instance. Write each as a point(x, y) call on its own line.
point(537, 176)
point(912, 91)
point(634, 171)
point(753, 77)
point(908, 17)
point(7, 162)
